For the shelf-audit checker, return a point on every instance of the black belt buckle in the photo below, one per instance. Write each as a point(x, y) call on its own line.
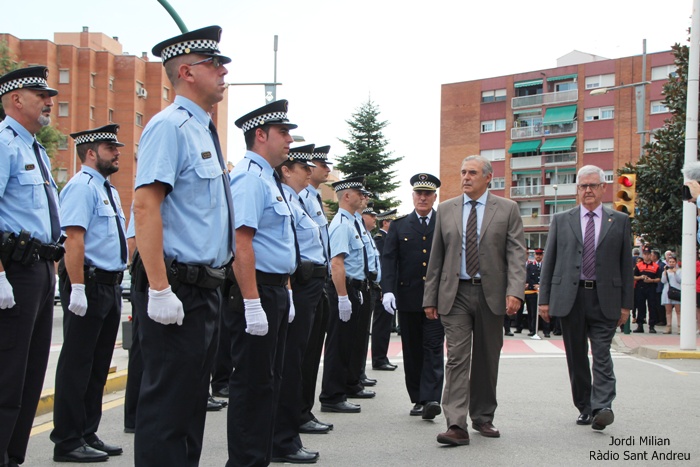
point(588, 284)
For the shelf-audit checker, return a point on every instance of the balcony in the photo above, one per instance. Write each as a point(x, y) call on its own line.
point(563, 189)
point(525, 162)
point(537, 220)
point(558, 159)
point(526, 191)
point(526, 132)
point(546, 98)
point(560, 129)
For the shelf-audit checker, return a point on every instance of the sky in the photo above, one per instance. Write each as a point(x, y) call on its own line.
point(333, 56)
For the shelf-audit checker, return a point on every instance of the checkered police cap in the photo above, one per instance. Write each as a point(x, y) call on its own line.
point(204, 41)
point(103, 134)
point(274, 113)
point(302, 154)
point(33, 77)
point(356, 183)
point(425, 182)
point(387, 215)
point(321, 154)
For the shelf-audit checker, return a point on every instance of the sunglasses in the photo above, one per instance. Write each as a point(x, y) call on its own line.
point(214, 61)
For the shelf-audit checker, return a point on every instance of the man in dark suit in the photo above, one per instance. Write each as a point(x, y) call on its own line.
point(381, 319)
point(404, 264)
point(476, 275)
point(586, 281)
point(532, 286)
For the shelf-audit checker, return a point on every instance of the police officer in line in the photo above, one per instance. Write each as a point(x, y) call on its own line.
point(135, 364)
point(267, 253)
point(184, 216)
point(404, 263)
point(368, 221)
point(341, 368)
point(29, 229)
point(90, 283)
point(307, 286)
point(313, 205)
point(381, 319)
point(532, 288)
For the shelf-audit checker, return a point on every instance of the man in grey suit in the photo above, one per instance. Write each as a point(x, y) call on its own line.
point(477, 269)
point(586, 281)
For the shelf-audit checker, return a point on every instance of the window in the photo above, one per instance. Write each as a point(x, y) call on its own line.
point(139, 87)
point(599, 113)
point(566, 86)
point(61, 175)
point(609, 176)
point(139, 119)
point(658, 107)
point(92, 112)
point(532, 211)
point(110, 115)
point(599, 145)
point(92, 79)
point(111, 83)
point(494, 154)
point(600, 81)
point(663, 72)
point(63, 76)
point(63, 109)
point(498, 183)
point(166, 93)
point(496, 95)
point(63, 142)
point(493, 125)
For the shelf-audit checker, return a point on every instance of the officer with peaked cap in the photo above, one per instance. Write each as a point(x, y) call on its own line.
point(404, 262)
point(313, 205)
point(29, 228)
point(96, 256)
point(532, 288)
point(183, 217)
point(350, 273)
point(267, 253)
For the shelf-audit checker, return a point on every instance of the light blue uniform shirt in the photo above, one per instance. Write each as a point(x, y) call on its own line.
point(130, 229)
point(346, 241)
point(308, 232)
point(259, 205)
point(315, 210)
point(177, 149)
point(466, 209)
point(23, 201)
point(84, 203)
point(373, 262)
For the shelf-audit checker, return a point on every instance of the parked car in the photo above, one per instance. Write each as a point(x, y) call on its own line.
point(126, 286)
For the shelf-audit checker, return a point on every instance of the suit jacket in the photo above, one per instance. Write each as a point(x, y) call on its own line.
point(405, 260)
point(502, 254)
point(533, 275)
point(561, 268)
point(379, 241)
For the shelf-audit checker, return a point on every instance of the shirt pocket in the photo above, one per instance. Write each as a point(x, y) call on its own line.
point(34, 181)
point(206, 191)
point(281, 209)
point(107, 218)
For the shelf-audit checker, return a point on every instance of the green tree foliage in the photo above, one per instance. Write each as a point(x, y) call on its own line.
point(658, 216)
point(367, 156)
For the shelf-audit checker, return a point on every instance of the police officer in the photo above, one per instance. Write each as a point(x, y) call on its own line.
point(30, 226)
point(267, 254)
point(183, 213)
point(532, 288)
point(313, 205)
point(367, 219)
point(91, 296)
point(381, 319)
point(404, 262)
point(350, 272)
point(307, 286)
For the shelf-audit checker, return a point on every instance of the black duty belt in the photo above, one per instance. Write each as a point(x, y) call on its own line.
point(197, 274)
point(587, 284)
point(103, 277)
point(266, 278)
point(358, 284)
point(472, 281)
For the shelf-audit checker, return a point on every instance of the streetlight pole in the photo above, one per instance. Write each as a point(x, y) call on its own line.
point(270, 88)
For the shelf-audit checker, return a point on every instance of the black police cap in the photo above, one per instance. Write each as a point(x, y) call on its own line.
point(274, 113)
point(204, 41)
point(103, 134)
point(33, 77)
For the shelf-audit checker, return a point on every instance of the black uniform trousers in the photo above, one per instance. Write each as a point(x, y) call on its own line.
point(533, 314)
point(255, 382)
point(135, 365)
point(83, 364)
point(381, 333)
point(223, 364)
point(25, 339)
point(423, 346)
point(312, 357)
point(371, 298)
point(177, 364)
point(306, 300)
point(343, 343)
point(520, 318)
point(645, 295)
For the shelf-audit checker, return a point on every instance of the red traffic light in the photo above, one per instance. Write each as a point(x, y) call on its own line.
point(626, 180)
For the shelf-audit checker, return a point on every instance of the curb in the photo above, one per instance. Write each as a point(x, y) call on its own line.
point(660, 353)
point(115, 382)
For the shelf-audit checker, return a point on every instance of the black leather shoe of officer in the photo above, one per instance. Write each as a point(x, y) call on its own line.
point(363, 394)
point(329, 425)
point(314, 428)
point(431, 410)
point(223, 392)
point(584, 419)
point(509, 334)
point(213, 405)
point(385, 367)
point(110, 449)
point(417, 410)
point(299, 457)
point(83, 453)
point(368, 382)
point(341, 407)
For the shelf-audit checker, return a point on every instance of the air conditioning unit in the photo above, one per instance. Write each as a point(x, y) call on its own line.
point(142, 92)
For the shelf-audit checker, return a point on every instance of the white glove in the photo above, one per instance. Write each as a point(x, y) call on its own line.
point(292, 311)
point(78, 300)
point(7, 296)
point(345, 308)
point(164, 307)
point(255, 317)
point(389, 302)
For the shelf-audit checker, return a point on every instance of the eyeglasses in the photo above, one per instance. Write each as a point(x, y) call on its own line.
point(592, 186)
point(216, 61)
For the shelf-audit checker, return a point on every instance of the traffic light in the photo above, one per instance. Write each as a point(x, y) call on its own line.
point(627, 194)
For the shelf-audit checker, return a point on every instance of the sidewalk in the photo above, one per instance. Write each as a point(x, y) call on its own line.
point(655, 346)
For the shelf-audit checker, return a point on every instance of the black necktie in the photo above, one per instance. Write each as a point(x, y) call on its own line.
point(364, 251)
point(122, 237)
point(227, 188)
point(291, 218)
point(53, 206)
point(328, 250)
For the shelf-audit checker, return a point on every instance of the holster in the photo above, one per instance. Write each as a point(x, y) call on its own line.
point(304, 272)
point(7, 247)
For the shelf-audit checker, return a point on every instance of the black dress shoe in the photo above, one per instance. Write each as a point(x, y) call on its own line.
point(546, 334)
point(82, 454)
point(368, 382)
point(129, 429)
point(341, 407)
point(110, 449)
point(603, 418)
point(530, 334)
point(509, 334)
point(417, 410)
point(213, 405)
point(314, 428)
point(299, 457)
point(223, 392)
point(431, 410)
point(518, 331)
point(639, 329)
point(224, 403)
point(584, 419)
point(557, 333)
point(363, 394)
point(329, 425)
point(385, 367)
point(652, 330)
